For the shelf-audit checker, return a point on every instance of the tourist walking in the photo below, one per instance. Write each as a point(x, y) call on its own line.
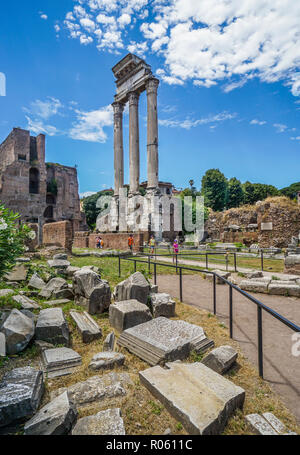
point(152, 245)
point(175, 249)
point(97, 242)
point(130, 242)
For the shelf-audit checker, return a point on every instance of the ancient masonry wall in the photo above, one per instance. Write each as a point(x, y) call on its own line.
point(116, 241)
point(40, 192)
point(272, 222)
point(59, 234)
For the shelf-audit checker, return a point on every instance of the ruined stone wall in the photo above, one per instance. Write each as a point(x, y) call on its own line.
point(81, 239)
point(22, 160)
point(59, 234)
point(117, 241)
point(238, 224)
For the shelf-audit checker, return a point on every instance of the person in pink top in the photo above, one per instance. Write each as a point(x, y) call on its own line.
point(175, 249)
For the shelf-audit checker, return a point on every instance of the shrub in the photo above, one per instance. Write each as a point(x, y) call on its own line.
point(12, 238)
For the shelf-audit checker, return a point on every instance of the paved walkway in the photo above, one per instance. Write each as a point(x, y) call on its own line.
point(281, 369)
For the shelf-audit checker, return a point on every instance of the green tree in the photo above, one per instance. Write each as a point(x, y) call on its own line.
point(254, 192)
point(214, 189)
point(235, 194)
point(90, 209)
point(12, 239)
point(291, 191)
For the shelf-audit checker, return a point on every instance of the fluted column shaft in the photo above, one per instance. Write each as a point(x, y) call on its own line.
point(152, 133)
point(134, 146)
point(118, 146)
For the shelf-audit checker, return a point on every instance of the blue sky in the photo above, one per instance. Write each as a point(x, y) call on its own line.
point(229, 95)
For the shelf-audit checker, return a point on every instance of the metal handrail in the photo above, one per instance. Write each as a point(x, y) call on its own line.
point(260, 306)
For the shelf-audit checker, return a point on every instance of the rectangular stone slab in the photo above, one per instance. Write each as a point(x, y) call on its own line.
point(198, 397)
point(86, 325)
point(161, 340)
point(60, 361)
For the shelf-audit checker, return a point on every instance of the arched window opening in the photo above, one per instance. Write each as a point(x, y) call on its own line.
point(34, 181)
point(48, 213)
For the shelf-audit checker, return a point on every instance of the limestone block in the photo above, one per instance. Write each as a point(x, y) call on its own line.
point(284, 289)
point(18, 330)
point(161, 340)
point(96, 389)
point(274, 422)
point(21, 391)
point(254, 286)
point(87, 326)
point(126, 314)
point(56, 418)
point(266, 226)
point(19, 273)
point(36, 282)
point(181, 386)
point(109, 342)
point(221, 273)
point(59, 264)
point(52, 327)
point(25, 302)
point(259, 425)
point(108, 422)
point(221, 359)
point(135, 287)
point(106, 360)
point(162, 305)
point(60, 361)
point(54, 285)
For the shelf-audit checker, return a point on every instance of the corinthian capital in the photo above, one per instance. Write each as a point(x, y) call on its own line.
point(118, 108)
point(152, 85)
point(133, 98)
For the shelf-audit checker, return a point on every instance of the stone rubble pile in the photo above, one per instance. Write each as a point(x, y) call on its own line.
point(266, 285)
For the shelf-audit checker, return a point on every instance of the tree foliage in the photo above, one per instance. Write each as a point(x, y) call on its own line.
point(214, 189)
point(235, 194)
point(90, 209)
point(12, 239)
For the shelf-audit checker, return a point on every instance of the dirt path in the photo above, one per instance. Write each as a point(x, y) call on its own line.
point(281, 368)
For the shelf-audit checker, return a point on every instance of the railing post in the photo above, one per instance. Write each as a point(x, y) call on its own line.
point(227, 260)
point(180, 283)
point(260, 342)
point(235, 262)
point(155, 273)
point(214, 294)
point(119, 265)
point(149, 264)
point(134, 265)
point(206, 261)
point(176, 262)
point(230, 312)
point(262, 260)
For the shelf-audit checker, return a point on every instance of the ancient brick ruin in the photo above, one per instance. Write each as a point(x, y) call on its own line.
point(269, 223)
point(40, 192)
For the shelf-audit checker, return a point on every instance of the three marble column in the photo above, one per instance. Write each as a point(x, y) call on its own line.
point(134, 152)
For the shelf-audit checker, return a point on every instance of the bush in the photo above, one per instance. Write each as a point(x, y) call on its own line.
point(12, 238)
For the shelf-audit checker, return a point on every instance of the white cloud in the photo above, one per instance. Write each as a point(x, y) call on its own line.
point(85, 125)
point(280, 127)
point(297, 138)
point(257, 122)
point(89, 125)
point(190, 123)
point(43, 16)
point(44, 109)
point(37, 126)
